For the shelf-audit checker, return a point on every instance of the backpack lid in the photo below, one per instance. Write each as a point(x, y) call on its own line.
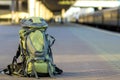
point(34, 22)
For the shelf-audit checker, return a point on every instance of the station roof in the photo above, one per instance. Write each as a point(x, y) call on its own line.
point(57, 5)
point(53, 5)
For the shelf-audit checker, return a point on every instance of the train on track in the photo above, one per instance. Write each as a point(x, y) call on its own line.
point(107, 18)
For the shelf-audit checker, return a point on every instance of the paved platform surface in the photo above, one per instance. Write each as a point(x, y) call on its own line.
point(84, 53)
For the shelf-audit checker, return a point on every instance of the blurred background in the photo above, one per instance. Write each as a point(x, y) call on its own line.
point(11, 11)
point(82, 49)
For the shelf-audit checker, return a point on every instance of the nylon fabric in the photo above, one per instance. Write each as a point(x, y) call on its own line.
point(37, 40)
point(36, 20)
point(41, 67)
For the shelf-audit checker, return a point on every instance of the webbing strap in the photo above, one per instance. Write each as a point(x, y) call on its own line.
point(50, 70)
point(52, 40)
point(45, 45)
point(33, 67)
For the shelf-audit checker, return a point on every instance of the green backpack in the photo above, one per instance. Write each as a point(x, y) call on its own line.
point(34, 51)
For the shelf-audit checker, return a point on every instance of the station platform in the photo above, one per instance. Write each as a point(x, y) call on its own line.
point(83, 52)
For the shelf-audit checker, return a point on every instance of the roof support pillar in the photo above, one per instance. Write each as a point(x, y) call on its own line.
point(31, 7)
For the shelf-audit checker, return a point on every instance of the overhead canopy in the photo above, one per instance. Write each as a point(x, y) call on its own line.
point(53, 5)
point(57, 5)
